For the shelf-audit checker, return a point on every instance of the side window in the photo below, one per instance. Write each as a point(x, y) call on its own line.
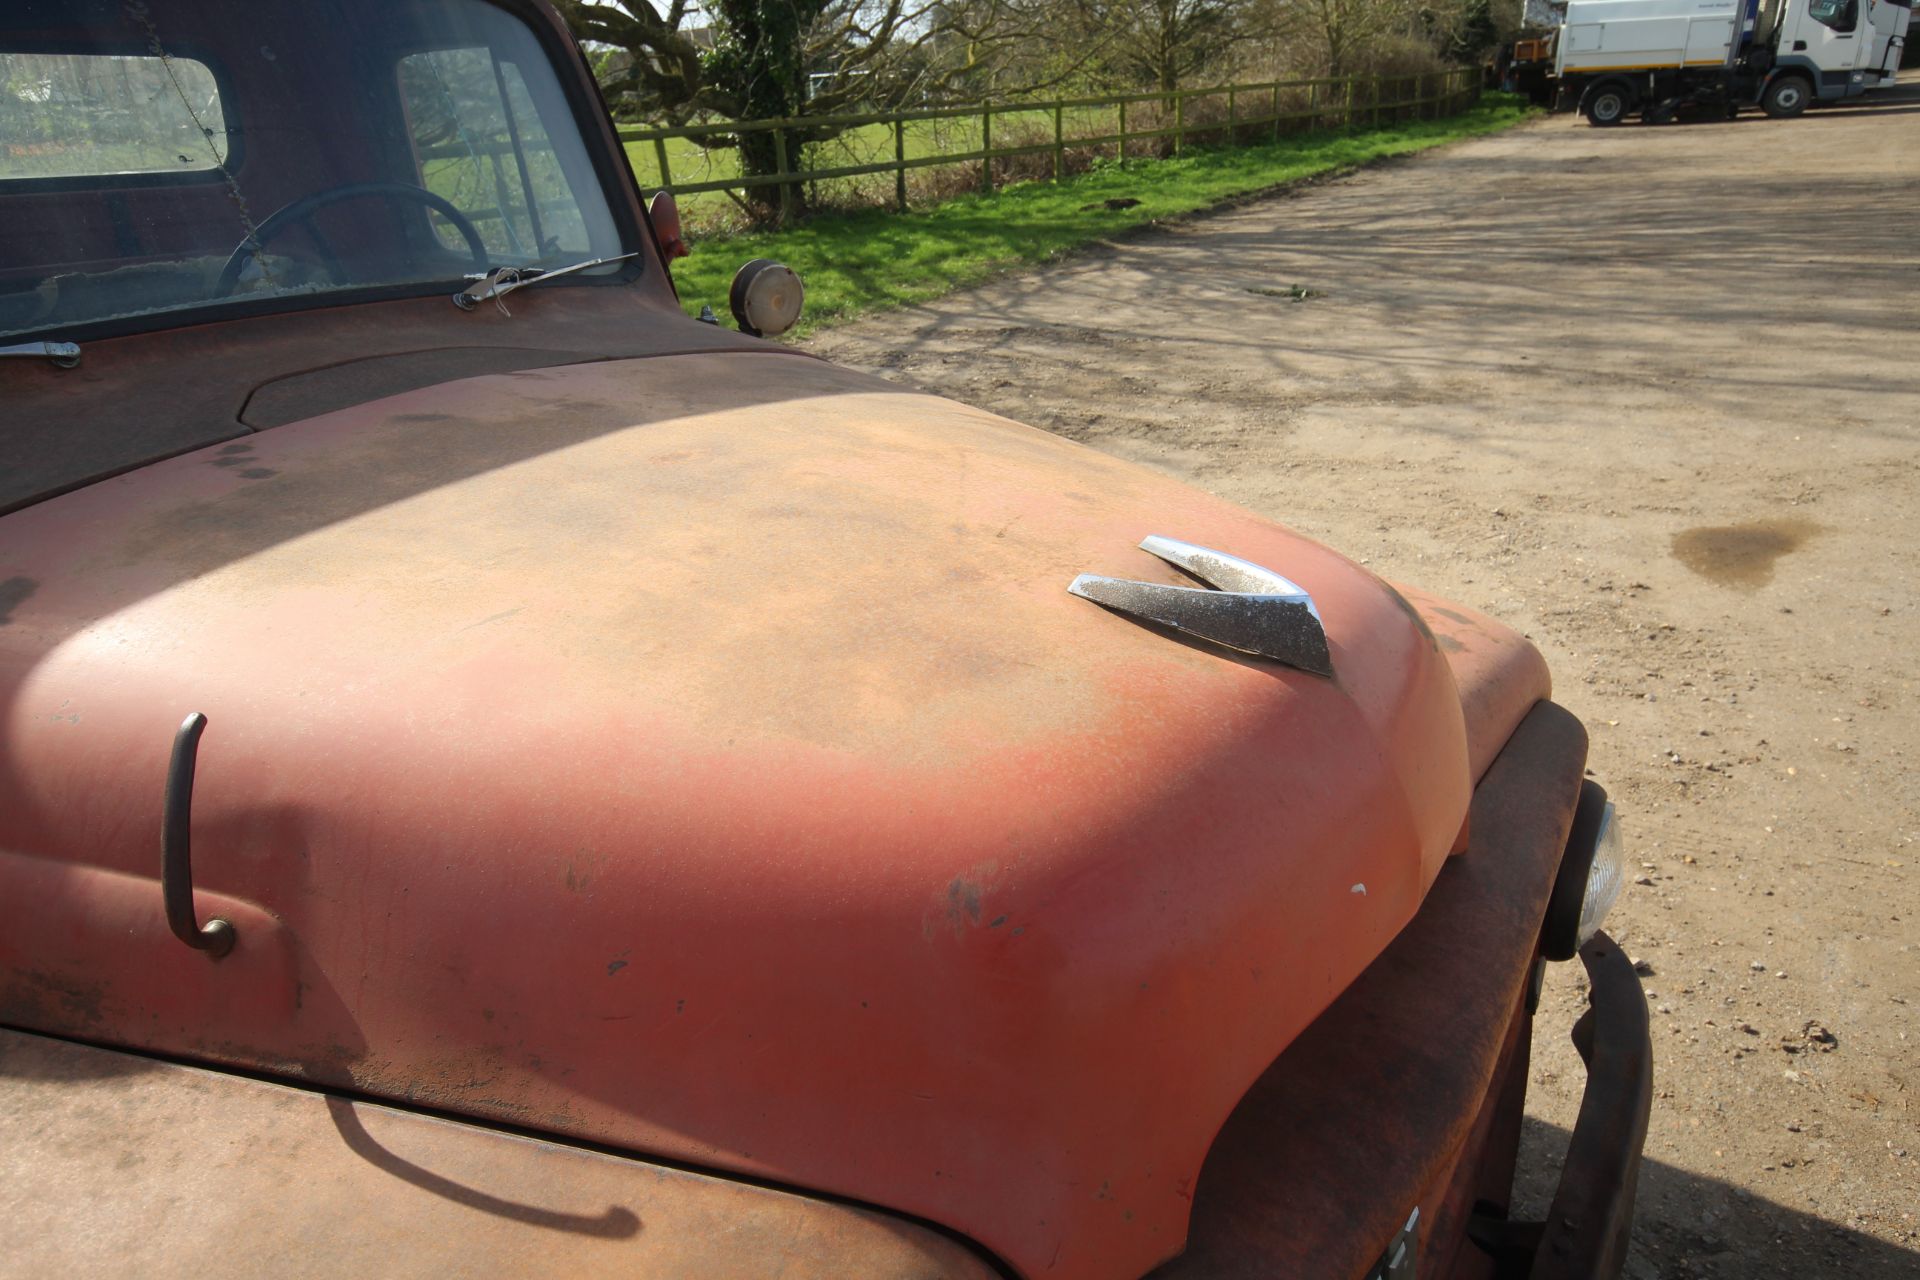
point(85, 115)
point(1841, 15)
point(479, 142)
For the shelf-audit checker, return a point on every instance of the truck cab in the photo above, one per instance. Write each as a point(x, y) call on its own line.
point(500, 777)
point(1841, 47)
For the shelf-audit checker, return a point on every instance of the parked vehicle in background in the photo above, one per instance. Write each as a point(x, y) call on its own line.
point(1614, 59)
point(501, 777)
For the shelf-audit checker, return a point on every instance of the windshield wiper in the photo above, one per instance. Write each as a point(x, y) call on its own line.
point(501, 281)
point(64, 354)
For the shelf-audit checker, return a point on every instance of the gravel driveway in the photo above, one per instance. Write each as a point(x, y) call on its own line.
point(1653, 396)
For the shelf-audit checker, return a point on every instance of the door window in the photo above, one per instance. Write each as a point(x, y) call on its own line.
point(1841, 15)
point(479, 142)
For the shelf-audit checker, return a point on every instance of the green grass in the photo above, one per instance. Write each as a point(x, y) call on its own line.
point(866, 261)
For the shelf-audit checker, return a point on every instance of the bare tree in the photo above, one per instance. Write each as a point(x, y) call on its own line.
point(656, 69)
point(1350, 32)
point(1165, 42)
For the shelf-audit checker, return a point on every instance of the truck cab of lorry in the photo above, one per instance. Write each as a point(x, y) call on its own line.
point(500, 777)
point(1842, 48)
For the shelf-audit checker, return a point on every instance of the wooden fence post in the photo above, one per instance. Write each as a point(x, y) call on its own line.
point(1059, 145)
point(660, 154)
point(1233, 117)
point(1276, 112)
point(986, 151)
point(1179, 121)
point(1123, 132)
point(900, 165)
point(786, 187)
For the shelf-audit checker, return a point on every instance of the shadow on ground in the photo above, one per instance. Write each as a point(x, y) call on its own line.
point(1690, 1226)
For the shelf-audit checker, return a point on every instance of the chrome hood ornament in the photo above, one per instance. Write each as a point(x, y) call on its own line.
point(1254, 610)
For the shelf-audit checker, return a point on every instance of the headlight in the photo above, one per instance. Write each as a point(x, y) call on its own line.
point(1592, 872)
point(1606, 878)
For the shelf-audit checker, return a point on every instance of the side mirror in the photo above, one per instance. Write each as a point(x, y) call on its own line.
point(766, 297)
point(664, 213)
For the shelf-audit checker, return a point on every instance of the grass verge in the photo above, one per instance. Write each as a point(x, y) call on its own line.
point(866, 261)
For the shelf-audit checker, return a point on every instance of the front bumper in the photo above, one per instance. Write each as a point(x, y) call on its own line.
point(1586, 1230)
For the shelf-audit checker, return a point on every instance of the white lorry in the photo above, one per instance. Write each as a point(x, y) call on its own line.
point(1617, 58)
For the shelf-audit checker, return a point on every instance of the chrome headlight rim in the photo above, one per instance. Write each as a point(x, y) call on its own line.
point(1591, 877)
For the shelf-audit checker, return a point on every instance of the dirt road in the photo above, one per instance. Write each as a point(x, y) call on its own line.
point(1653, 396)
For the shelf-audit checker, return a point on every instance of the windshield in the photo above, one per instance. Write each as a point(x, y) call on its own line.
point(160, 155)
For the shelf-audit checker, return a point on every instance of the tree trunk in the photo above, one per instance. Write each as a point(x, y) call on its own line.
point(759, 157)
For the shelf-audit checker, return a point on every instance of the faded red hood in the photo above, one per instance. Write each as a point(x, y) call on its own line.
point(703, 755)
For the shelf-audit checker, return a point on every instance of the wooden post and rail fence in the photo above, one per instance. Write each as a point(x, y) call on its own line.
point(1262, 112)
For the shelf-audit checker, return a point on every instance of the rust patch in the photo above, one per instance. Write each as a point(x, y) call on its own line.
point(963, 905)
point(82, 1002)
point(963, 899)
point(1405, 606)
point(1740, 555)
point(13, 593)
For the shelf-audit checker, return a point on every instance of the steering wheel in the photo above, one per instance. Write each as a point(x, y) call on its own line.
point(303, 209)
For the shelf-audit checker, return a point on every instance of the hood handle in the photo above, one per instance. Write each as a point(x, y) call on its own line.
point(176, 848)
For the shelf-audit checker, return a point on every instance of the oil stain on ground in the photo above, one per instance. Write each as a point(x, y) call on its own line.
point(1740, 555)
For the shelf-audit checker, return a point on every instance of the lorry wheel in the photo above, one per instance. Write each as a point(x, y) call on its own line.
point(1605, 106)
point(1786, 97)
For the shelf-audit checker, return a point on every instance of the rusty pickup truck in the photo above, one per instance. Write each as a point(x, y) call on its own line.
point(500, 777)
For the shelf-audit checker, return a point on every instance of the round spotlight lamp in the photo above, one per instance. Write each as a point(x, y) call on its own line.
point(766, 297)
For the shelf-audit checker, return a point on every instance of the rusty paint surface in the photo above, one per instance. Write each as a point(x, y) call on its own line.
point(1407, 1057)
point(702, 755)
point(115, 1164)
point(1499, 674)
point(199, 385)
